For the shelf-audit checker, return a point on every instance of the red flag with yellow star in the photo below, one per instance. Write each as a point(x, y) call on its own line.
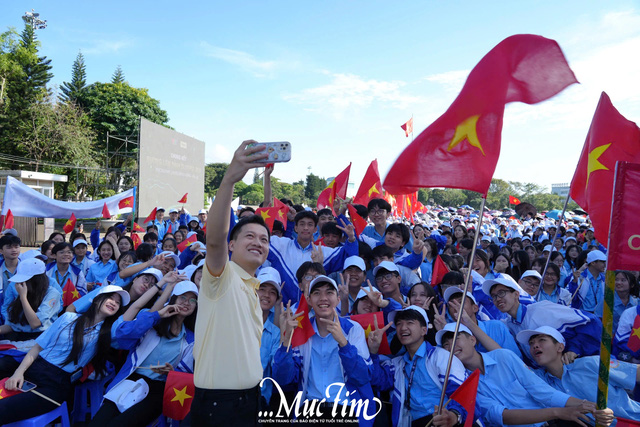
point(358, 222)
point(184, 198)
point(152, 216)
point(70, 224)
point(283, 210)
point(127, 202)
point(8, 220)
point(304, 330)
point(611, 138)
point(461, 148)
point(624, 240)
point(466, 395)
point(187, 242)
point(337, 188)
point(439, 270)
point(634, 338)
point(178, 395)
point(366, 321)
point(136, 240)
point(69, 293)
point(370, 187)
point(269, 215)
point(138, 228)
point(4, 393)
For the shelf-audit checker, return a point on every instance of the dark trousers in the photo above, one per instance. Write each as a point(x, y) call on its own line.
point(51, 381)
point(232, 408)
point(140, 414)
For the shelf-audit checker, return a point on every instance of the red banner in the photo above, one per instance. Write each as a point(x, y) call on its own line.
point(624, 235)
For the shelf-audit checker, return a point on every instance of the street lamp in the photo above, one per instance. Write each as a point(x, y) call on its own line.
point(33, 19)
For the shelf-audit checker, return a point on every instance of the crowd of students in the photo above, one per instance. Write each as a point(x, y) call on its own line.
point(135, 317)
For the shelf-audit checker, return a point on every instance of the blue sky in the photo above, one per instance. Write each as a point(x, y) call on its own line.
point(338, 78)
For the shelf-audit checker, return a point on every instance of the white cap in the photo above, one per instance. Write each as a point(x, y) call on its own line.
point(531, 273)
point(570, 238)
point(591, 229)
point(596, 256)
point(548, 248)
point(525, 238)
point(488, 284)
point(486, 238)
point(11, 231)
point(270, 275)
point(454, 290)
point(446, 224)
point(361, 294)
point(392, 315)
point(173, 210)
point(27, 269)
point(354, 261)
point(202, 211)
point(386, 265)
point(171, 255)
point(189, 270)
point(124, 295)
point(183, 287)
point(450, 327)
point(319, 280)
point(79, 242)
point(136, 392)
point(571, 230)
point(159, 208)
point(193, 219)
point(153, 272)
point(523, 337)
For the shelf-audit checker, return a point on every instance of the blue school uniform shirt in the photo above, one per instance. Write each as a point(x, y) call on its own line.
point(498, 332)
point(47, 312)
point(73, 273)
point(5, 276)
point(618, 308)
point(558, 296)
point(507, 383)
point(268, 346)
point(99, 271)
point(56, 342)
point(84, 264)
point(590, 294)
point(167, 350)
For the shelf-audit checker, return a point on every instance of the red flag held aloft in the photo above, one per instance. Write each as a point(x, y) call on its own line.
point(69, 293)
point(269, 215)
point(178, 395)
point(358, 222)
point(408, 127)
point(466, 395)
point(8, 220)
point(370, 187)
point(514, 200)
point(152, 216)
point(439, 270)
point(337, 188)
point(105, 212)
point(70, 224)
point(136, 240)
point(624, 239)
point(187, 242)
point(304, 330)
point(461, 148)
point(137, 227)
point(611, 138)
point(184, 198)
point(367, 323)
point(283, 210)
point(127, 202)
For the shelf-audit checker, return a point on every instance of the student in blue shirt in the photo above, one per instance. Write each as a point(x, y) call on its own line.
point(417, 376)
point(626, 327)
point(268, 295)
point(551, 289)
point(589, 284)
point(508, 392)
point(158, 342)
point(81, 260)
point(10, 248)
point(624, 297)
point(336, 353)
point(60, 353)
point(29, 288)
point(102, 268)
point(580, 378)
point(62, 270)
point(379, 210)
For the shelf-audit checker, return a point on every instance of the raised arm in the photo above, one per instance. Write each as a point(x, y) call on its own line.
point(268, 194)
point(217, 220)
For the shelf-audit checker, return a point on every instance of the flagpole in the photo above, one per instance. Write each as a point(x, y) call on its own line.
point(607, 317)
point(467, 282)
point(566, 201)
point(411, 127)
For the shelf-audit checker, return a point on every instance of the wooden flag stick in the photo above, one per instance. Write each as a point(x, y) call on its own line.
point(45, 397)
point(431, 420)
point(561, 218)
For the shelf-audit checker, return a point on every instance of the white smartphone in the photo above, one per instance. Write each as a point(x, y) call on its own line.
point(27, 386)
point(279, 152)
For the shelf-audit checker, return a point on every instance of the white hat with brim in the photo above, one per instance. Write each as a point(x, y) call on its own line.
point(109, 289)
point(271, 276)
point(320, 280)
point(454, 290)
point(488, 284)
point(79, 242)
point(596, 256)
point(153, 272)
point(202, 211)
point(354, 261)
point(523, 337)
point(183, 287)
point(169, 254)
point(27, 269)
point(531, 273)
point(173, 210)
point(386, 265)
point(392, 315)
point(450, 327)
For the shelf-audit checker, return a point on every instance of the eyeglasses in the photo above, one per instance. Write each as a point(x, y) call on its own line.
point(378, 212)
point(500, 294)
point(65, 253)
point(308, 277)
point(532, 283)
point(146, 279)
point(382, 277)
point(183, 299)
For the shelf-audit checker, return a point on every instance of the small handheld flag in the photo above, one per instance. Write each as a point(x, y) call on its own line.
point(178, 395)
point(408, 127)
point(127, 202)
point(70, 224)
point(152, 216)
point(184, 198)
point(105, 212)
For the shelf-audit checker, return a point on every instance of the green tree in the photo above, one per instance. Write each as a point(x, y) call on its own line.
point(314, 186)
point(71, 90)
point(118, 76)
point(448, 197)
point(213, 173)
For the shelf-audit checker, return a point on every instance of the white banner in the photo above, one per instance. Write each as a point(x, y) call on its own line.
point(25, 201)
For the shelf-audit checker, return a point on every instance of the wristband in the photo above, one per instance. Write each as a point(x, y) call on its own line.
point(158, 287)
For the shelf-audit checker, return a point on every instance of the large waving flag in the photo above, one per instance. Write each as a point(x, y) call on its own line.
point(269, 215)
point(624, 240)
point(25, 201)
point(611, 138)
point(371, 186)
point(337, 188)
point(461, 148)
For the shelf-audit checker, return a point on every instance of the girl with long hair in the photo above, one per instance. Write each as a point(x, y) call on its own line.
point(31, 304)
point(56, 361)
point(102, 268)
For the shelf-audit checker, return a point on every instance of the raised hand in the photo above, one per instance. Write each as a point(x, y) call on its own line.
point(316, 254)
point(168, 311)
point(288, 321)
point(244, 159)
point(375, 336)
point(335, 329)
point(439, 317)
point(348, 229)
point(375, 296)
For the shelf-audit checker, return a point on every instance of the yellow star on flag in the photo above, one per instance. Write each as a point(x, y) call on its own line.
point(75, 294)
point(299, 320)
point(1, 396)
point(593, 162)
point(467, 131)
point(265, 214)
point(367, 332)
point(68, 223)
point(635, 332)
point(181, 395)
point(373, 189)
point(127, 202)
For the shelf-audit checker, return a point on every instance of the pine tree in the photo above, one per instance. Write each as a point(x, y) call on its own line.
point(36, 68)
point(71, 90)
point(118, 76)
